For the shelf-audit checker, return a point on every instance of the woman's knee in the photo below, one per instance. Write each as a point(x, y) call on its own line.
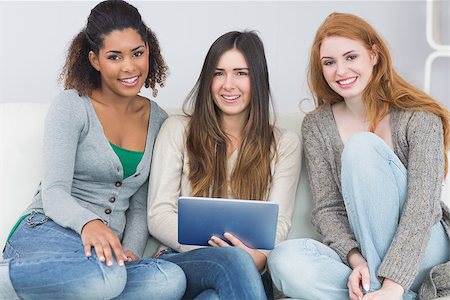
point(168, 282)
point(363, 146)
point(105, 282)
point(234, 257)
point(289, 256)
point(292, 259)
point(154, 279)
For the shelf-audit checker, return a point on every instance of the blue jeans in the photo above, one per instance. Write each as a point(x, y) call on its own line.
point(47, 261)
point(374, 188)
point(219, 272)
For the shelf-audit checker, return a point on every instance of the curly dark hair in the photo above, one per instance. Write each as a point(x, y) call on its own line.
point(104, 18)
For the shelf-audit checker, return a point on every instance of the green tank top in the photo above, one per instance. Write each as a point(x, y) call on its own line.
point(128, 158)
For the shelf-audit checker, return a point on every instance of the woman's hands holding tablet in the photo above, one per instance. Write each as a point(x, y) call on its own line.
point(258, 257)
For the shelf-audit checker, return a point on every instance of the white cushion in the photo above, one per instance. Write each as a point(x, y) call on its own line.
point(21, 133)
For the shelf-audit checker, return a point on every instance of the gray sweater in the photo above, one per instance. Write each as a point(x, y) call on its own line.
point(418, 142)
point(83, 177)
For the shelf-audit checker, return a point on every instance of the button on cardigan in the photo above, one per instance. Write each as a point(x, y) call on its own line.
point(81, 173)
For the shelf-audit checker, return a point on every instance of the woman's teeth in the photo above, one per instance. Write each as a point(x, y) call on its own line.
point(230, 97)
point(130, 80)
point(347, 81)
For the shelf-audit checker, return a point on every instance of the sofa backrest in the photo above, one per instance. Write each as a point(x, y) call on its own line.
point(21, 134)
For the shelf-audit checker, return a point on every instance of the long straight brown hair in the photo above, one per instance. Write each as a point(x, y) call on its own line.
point(206, 142)
point(385, 89)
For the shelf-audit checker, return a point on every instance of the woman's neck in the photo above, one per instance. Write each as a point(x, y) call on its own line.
point(355, 108)
point(233, 126)
point(111, 100)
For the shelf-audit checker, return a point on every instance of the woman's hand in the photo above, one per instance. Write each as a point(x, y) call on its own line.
point(389, 290)
point(258, 257)
point(130, 255)
point(96, 234)
point(360, 277)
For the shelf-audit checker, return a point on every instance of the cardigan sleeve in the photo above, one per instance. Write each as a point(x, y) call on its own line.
point(329, 215)
point(64, 127)
point(165, 183)
point(425, 176)
point(136, 231)
point(285, 177)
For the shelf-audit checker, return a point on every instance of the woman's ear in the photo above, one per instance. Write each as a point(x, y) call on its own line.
point(93, 59)
point(374, 55)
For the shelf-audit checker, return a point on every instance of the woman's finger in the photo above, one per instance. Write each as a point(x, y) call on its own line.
point(99, 250)
point(365, 279)
point(234, 240)
point(219, 241)
point(118, 250)
point(212, 243)
point(130, 256)
point(107, 252)
point(354, 284)
point(87, 249)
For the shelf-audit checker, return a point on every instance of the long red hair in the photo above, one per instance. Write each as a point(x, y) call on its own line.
point(385, 89)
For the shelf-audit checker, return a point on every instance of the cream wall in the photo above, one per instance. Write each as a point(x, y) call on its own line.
point(34, 36)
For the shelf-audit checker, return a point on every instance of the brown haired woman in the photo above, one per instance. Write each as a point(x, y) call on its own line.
point(225, 148)
point(376, 149)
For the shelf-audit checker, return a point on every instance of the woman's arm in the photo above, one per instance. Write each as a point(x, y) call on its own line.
point(283, 188)
point(64, 125)
point(165, 183)
point(424, 136)
point(135, 235)
point(329, 215)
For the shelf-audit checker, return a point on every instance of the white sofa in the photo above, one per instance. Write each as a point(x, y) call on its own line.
point(21, 131)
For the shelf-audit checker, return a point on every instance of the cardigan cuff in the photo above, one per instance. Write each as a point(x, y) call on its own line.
point(403, 274)
point(344, 249)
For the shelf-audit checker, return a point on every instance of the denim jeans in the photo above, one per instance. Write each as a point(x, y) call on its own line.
point(374, 188)
point(219, 273)
point(47, 261)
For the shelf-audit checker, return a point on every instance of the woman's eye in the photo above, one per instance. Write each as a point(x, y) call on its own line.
point(351, 57)
point(138, 53)
point(242, 73)
point(218, 73)
point(113, 57)
point(328, 62)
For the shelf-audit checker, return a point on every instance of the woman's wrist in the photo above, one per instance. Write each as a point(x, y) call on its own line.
point(392, 285)
point(355, 258)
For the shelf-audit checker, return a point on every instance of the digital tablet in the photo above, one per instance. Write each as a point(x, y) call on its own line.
point(253, 222)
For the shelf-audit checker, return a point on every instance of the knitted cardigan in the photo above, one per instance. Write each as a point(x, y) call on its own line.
point(418, 142)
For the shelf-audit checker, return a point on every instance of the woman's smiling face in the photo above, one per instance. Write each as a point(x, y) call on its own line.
point(123, 62)
point(231, 87)
point(346, 66)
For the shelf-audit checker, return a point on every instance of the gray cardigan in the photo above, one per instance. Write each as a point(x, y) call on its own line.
point(83, 177)
point(418, 142)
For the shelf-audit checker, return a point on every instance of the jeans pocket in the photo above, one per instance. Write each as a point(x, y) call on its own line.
point(35, 219)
